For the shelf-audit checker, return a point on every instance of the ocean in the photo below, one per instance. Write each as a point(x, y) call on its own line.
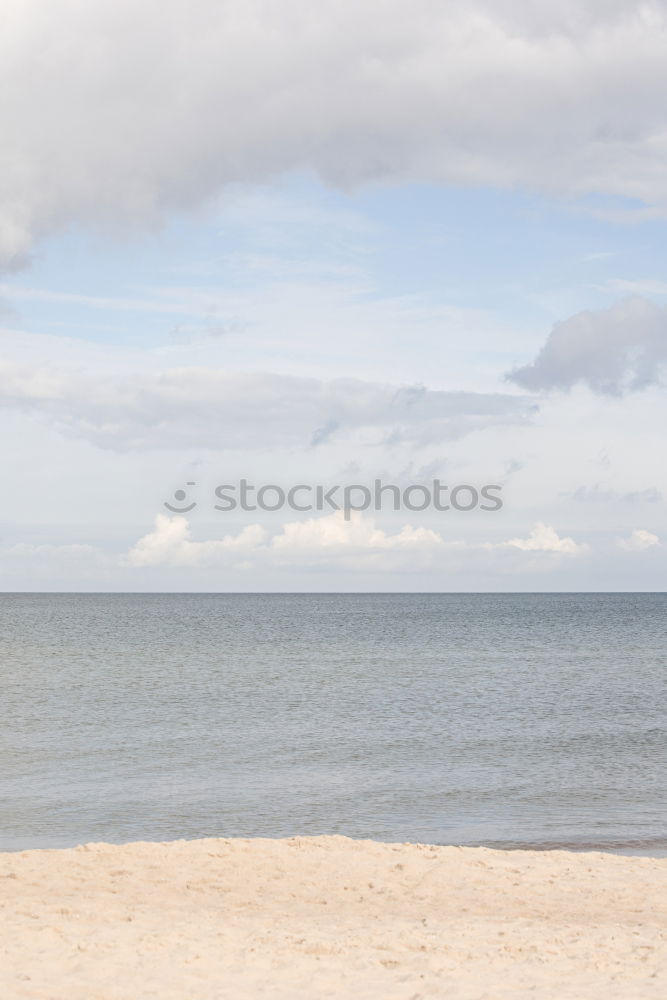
point(506, 720)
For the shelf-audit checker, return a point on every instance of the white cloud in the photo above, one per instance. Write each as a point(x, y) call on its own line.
point(544, 538)
point(333, 540)
point(356, 532)
point(613, 351)
point(211, 408)
point(639, 541)
point(121, 112)
point(170, 544)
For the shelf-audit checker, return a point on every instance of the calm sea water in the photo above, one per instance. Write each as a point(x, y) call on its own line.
point(530, 720)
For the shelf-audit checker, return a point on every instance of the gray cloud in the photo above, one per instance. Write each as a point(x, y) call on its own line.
point(596, 494)
point(209, 408)
point(120, 112)
point(613, 351)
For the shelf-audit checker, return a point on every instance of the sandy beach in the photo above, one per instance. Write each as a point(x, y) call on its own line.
point(329, 917)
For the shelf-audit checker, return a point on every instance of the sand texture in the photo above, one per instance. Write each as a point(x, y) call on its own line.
point(317, 917)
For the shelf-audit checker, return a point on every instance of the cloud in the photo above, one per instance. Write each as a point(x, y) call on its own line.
point(170, 544)
point(52, 566)
point(72, 553)
point(357, 543)
point(544, 538)
point(332, 537)
point(211, 408)
point(121, 113)
point(639, 541)
point(356, 532)
point(647, 286)
point(337, 532)
point(613, 351)
point(595, 494)
point(333, 540)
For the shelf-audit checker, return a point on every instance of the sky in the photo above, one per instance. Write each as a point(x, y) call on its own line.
point(334, 243)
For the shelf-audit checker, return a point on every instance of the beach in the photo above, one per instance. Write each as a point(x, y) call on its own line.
point(317, 917)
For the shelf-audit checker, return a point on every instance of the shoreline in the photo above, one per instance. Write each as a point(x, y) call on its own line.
point(650, 849)
point(331, 917)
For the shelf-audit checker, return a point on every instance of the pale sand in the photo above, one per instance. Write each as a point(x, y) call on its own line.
point(329, 917)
